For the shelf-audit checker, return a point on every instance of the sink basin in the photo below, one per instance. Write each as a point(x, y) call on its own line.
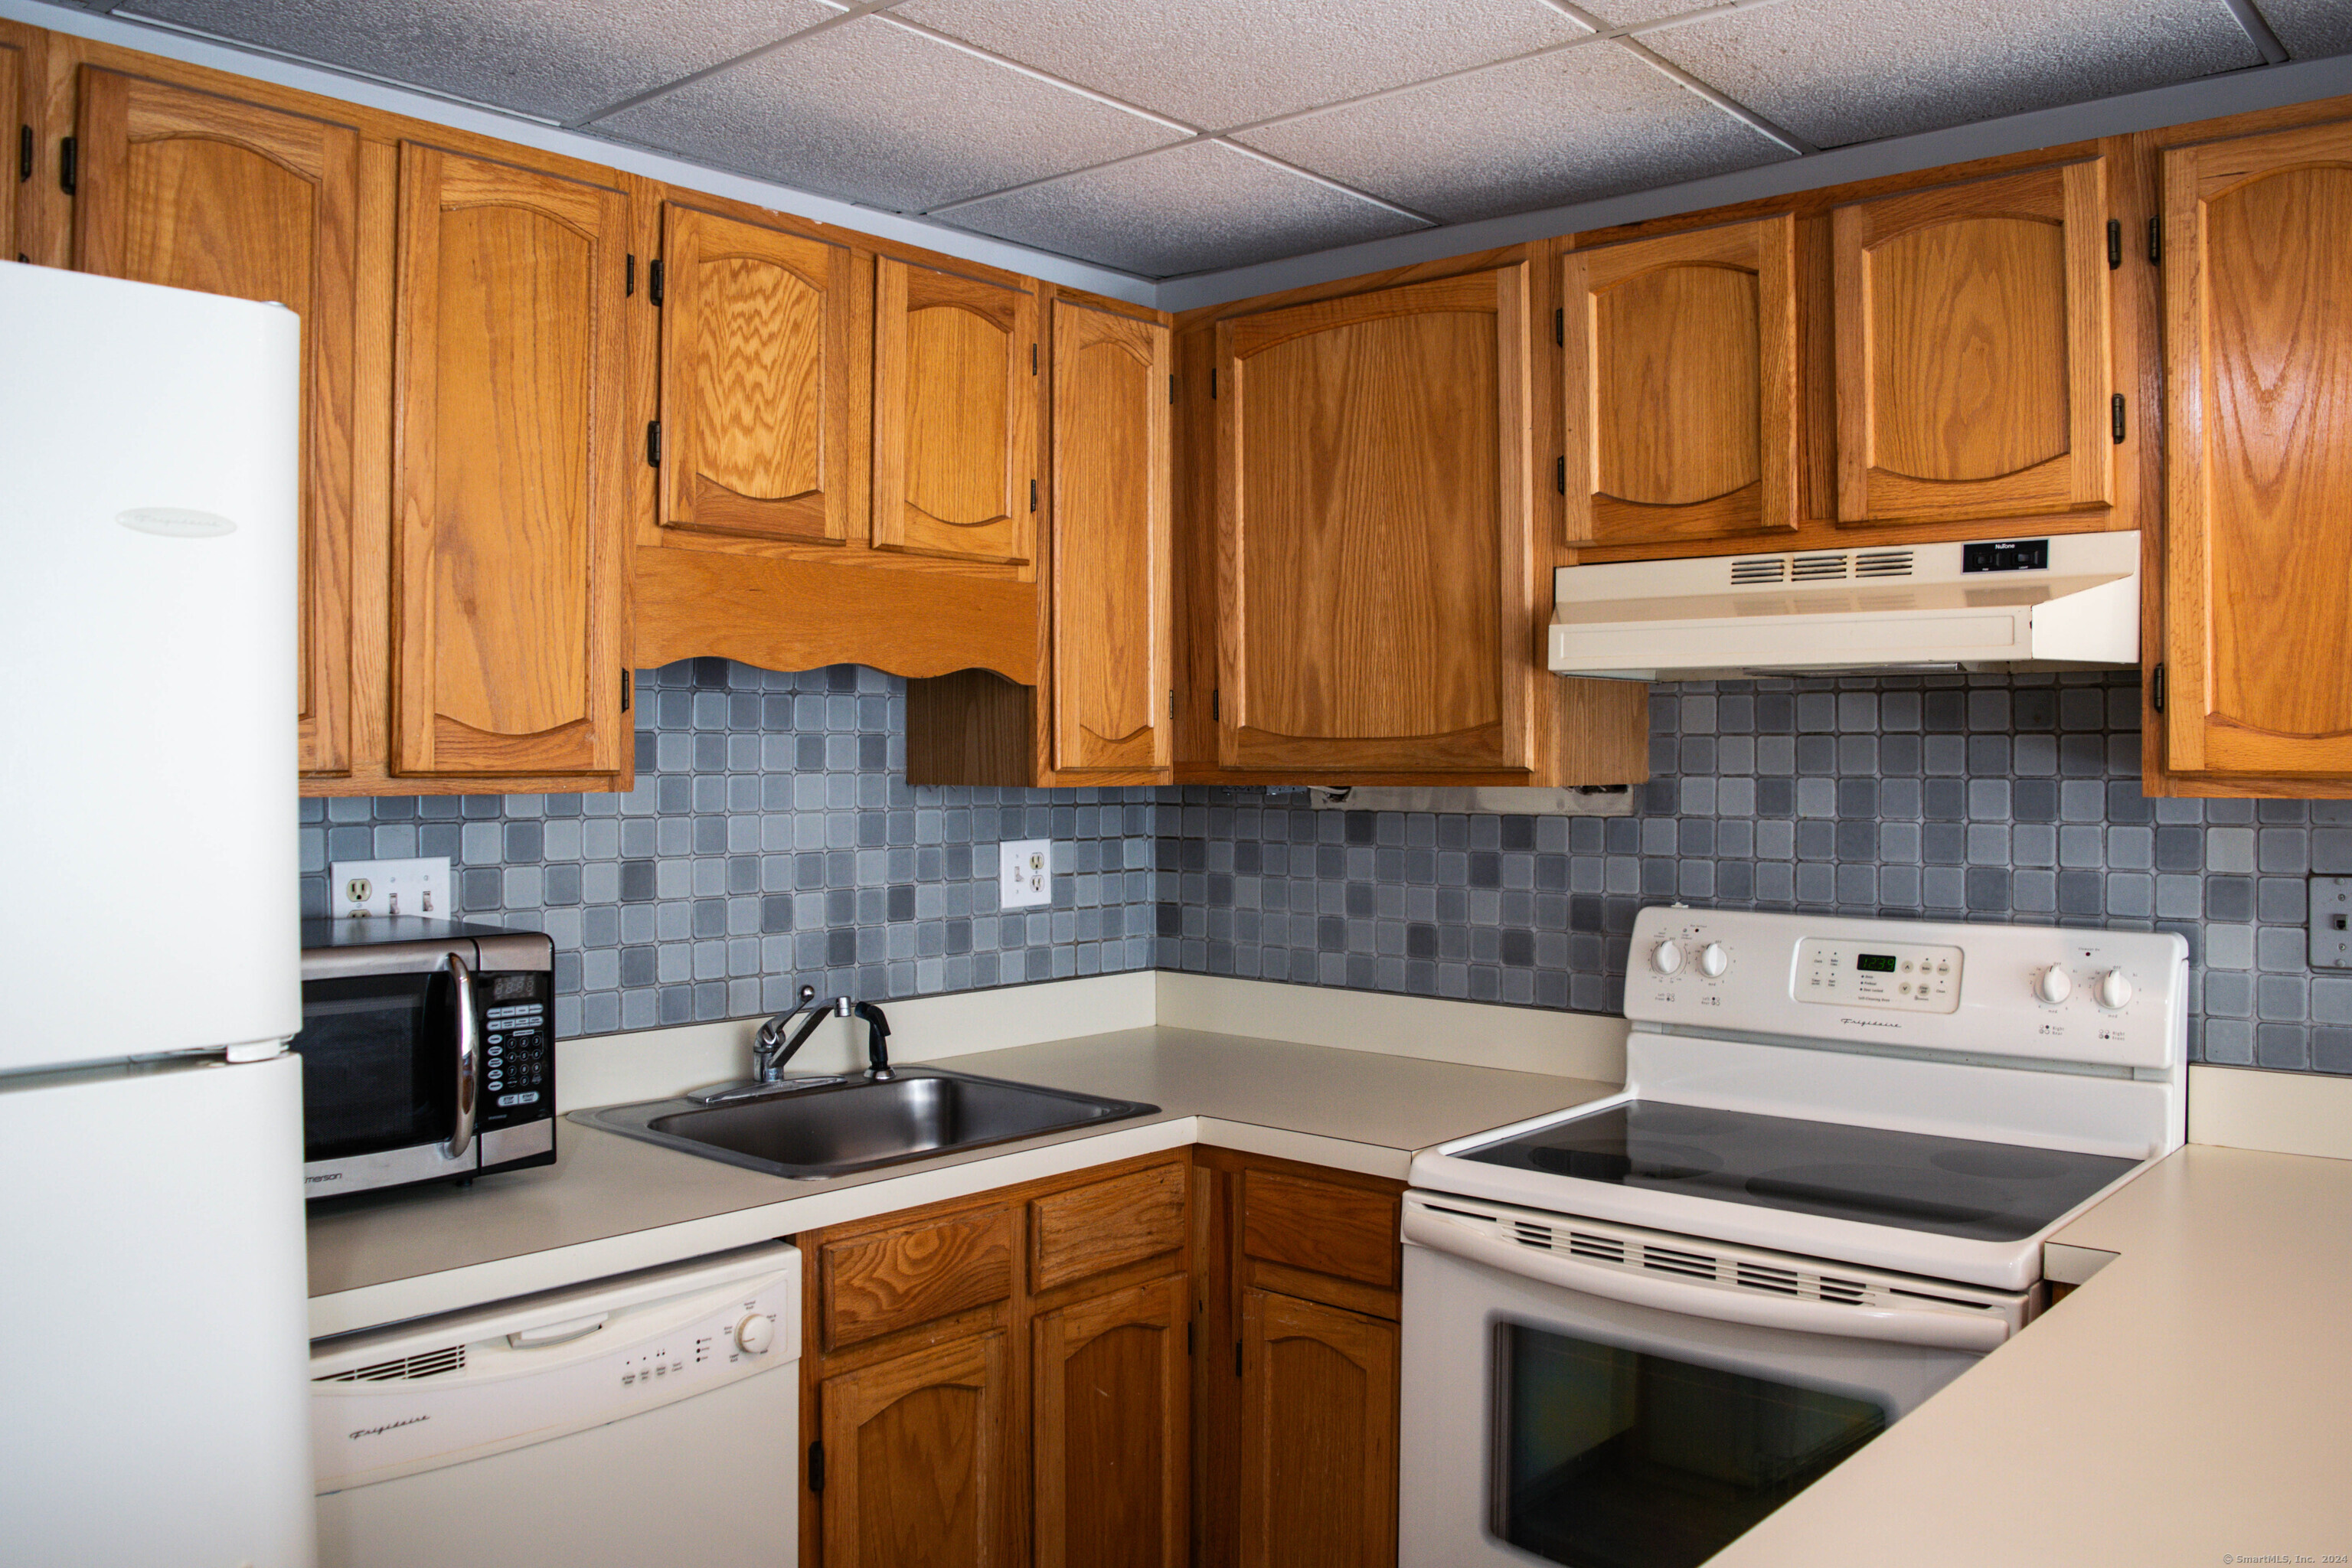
point(833, 1129)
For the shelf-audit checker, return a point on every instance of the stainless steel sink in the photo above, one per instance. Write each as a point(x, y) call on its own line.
point(831, 1129)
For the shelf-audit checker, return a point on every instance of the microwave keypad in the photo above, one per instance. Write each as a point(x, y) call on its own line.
point(517, 1061)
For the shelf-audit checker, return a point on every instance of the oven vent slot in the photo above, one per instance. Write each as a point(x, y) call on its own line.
point(407, 1369)
point(1598, 1249)
point(1882, 563)
point(1781, 1281)
point(1849, 1293)
point(1818, 568)
point(1534, 1236)
point(1762, 569)
point(1690, 1265)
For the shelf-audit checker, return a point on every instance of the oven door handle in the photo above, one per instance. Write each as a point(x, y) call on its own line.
point(470, 1053)
point(1920, 1326)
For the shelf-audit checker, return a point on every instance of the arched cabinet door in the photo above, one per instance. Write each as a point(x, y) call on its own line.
point(510, 488)
point(195, 191)
point(1319, 1442)
point(1972, 350)
point(918, 1464)
point(2258, 387)
point(755, 380)
point(1373, 536)
point(1112, 1434)
point(955, 416)
point(1679, 398)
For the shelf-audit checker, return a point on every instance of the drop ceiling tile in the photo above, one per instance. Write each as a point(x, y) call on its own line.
point(1220, 63)
point(1573, 126)
point(872, 113)
point(559, 58)
point(1190, 209)
point(1837, 71)
point(2310, 28)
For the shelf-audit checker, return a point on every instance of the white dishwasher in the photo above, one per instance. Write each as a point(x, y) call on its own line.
point(642, 1420)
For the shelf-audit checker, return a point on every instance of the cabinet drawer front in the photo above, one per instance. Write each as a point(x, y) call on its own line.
point(1320, 1227)
point(1090, 1229)
point(877, 1285)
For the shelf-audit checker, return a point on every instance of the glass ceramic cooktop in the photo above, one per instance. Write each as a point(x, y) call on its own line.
point(1952, 1187)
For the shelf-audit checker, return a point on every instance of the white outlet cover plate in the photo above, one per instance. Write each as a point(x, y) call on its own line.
point(2331, 923)
point(1026, 874)
point(357, 888)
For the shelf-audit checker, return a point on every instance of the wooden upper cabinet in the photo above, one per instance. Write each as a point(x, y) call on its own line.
point(510, 488)
point(1319, 1438)
point(2258, 344)
point(1679, 402)
point(1973, 357)
point(1110, 600)
point(955, 416)
point(1373, 535)
point(919, 1471)
point(1112, 1430)
point(755, 380)
point(195, 191)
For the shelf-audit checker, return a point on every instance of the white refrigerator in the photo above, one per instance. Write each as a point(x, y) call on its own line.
point(152, 1280)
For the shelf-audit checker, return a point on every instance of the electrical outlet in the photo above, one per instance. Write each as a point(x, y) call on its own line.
point(2331, 923)
point(359, 889)
point(1026, 874)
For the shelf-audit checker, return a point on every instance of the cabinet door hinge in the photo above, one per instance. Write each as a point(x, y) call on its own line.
point(1560, 326)
point(654, 281)
point(625, 685)
point(2155, 242)
point(2155, 688)
point(816, 1467)
point(1559, 475)
point(1033, 495)
point(1172, 389)
point(1212, 384)
point(67, 161)
point(2115, 412)
point(2114, 243)
point(653, 443)
point(1213, 715)
point(1171, 713)
point(24, 154)
point(1188, 1328)
point(1237, 1358)
point(1033, 359)
point(629, 276)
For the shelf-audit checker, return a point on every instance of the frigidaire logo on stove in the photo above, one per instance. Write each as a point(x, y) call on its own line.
point(387, 1426)
point(1868, 1023)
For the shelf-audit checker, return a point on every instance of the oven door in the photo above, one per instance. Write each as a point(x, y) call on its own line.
point(390, 1078)
point(1632, 1425)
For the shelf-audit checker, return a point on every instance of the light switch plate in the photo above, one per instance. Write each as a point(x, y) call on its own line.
point(1025, 873)
point(2331, 923)
point(360, 888)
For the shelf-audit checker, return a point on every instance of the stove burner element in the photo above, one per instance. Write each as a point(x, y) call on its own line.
point(1611, 1161)
point(1885, 1194)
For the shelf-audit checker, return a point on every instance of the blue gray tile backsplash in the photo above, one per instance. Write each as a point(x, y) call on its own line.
point(2007, 798)
point(772, 839)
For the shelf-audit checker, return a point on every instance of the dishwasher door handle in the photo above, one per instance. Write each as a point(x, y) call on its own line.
point(1903, 1325)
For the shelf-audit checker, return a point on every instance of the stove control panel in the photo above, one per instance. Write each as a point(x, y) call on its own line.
point(1878, 974)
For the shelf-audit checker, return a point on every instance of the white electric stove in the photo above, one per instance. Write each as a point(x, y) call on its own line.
point(1633, 1329)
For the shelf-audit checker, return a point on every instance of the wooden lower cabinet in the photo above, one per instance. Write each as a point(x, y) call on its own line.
point(918, 1461)
point(1112, 1409)
point(1319, 1438)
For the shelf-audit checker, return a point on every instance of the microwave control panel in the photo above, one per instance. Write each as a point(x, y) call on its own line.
point(517, 1048)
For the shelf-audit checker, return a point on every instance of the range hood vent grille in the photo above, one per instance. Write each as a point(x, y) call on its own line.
point(1759, 570)
point(1882, 563)
point(1818, 568)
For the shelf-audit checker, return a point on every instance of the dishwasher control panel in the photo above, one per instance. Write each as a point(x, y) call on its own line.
point(470, 1384)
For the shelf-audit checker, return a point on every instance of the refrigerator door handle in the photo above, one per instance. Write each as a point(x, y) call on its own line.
point(470, 1052)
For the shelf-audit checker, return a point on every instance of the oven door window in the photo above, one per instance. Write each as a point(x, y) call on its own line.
point(378, 1064)
point(1620, 1459)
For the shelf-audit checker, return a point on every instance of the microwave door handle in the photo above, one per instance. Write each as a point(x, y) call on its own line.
point(469, 1054)
point(1916, 1326)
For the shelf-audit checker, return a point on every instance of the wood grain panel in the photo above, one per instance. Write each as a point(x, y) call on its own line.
point(2258, 593)
point(195, 191)
point(1972, 348)
point(1092, 1229)
point(14, 67)
point(879, 1284)
point(755, 379)
point(1112, 1430)
point(1319, 1438)
point(510, 484)
point(1679, 383)
point(1322, 1227)
point(918, 1466)
point(1372, 534)
point(1111, 571)
point(955, 416)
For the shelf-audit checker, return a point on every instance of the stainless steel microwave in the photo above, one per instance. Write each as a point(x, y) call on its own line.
point(428, 1052)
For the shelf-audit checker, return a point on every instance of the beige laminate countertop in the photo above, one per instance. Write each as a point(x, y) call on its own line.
point(2190, 1405)
point(612, 1203)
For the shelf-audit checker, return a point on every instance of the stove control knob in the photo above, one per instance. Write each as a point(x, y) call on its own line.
point(756, 1334)
point(1712, 960)
point(1667, 956)
point(2114, 991)
point(2053, 986)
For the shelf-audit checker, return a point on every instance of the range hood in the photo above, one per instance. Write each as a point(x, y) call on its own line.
point(2067, 602)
